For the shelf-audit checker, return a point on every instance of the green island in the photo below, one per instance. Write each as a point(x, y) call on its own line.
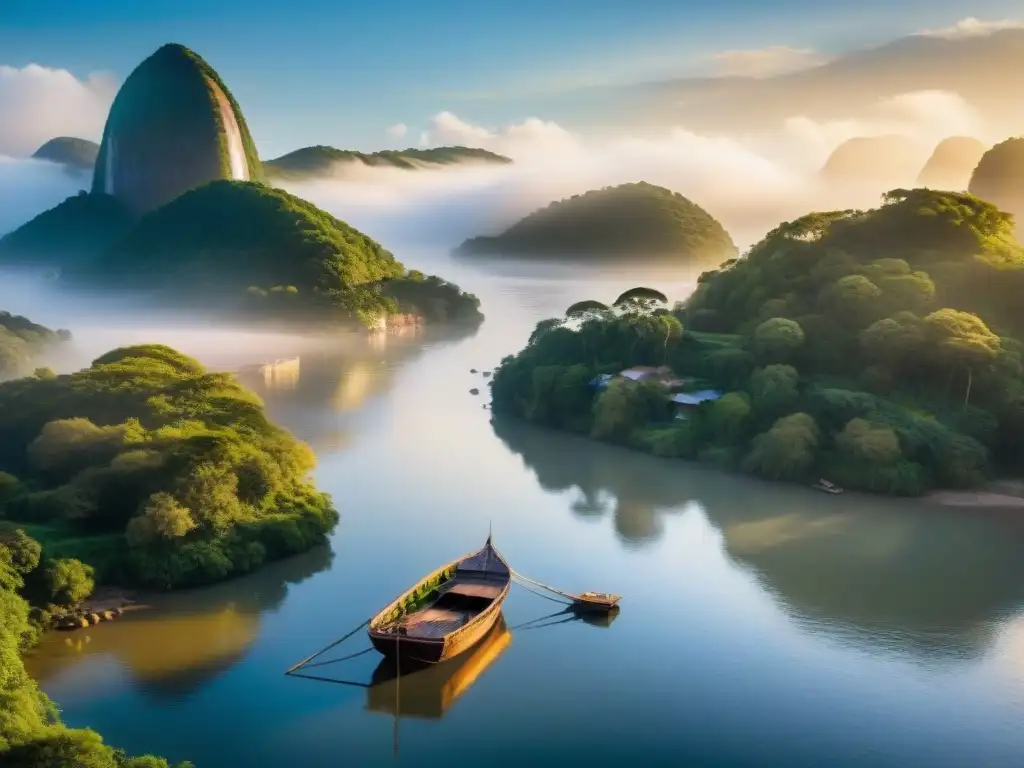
point(878, 349)
point(627, 222)
point(22, 341)
point(310, 162)
point(178, 214)
point(76, 154)
point(235, 249)
point(142, 470)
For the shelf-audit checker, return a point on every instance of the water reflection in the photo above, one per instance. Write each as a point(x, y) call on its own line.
point(916, 578)
point(315, 394)
point(179, 644)
point(430, 691)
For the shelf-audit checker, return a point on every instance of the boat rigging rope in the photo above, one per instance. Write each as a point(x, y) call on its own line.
point(518, 576)
point(304, 662)
point(546, 597)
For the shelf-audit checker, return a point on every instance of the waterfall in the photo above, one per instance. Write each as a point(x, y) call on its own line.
point(237, 164)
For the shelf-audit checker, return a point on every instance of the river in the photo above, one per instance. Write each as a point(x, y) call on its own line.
point(761, 624)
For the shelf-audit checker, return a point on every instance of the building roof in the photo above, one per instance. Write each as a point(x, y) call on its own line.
point(695, 398)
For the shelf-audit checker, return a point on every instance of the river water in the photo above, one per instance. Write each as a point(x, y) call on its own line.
point(761, 624)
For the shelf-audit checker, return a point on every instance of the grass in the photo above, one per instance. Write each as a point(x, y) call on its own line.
point(61, 542)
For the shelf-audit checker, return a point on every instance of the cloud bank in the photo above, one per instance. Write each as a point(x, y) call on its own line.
point(39, 103)
point(749, 183)
point(972, 27)
point(766, 62)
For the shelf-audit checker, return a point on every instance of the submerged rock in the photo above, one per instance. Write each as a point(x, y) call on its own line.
point(173, 126)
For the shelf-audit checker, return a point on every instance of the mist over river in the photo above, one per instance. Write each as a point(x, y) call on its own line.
point(761, 624)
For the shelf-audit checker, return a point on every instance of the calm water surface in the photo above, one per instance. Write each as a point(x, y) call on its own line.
point(761, 625)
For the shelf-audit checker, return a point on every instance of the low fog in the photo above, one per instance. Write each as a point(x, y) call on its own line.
point(750, 183)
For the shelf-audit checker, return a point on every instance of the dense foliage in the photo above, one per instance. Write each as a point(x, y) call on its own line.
point(433, 298)
point(998, 177)
point(630, 220)
point(166, 132)
point(952, 163)
point(75, 153)
point(155, 471)
point(31, 734)
point(873, 348)
point(75, 230)
point(324, 161)
point(21, 341)
point(244, 248)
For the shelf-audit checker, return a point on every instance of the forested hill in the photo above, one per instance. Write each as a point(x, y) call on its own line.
point(326, 161)
point(623, 222)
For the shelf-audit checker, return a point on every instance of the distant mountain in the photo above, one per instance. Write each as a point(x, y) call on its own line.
point(627, 222)
point(886, 160)
point(952, 163)
point(326, 161)
point(173, 126)
point(999, 178)
point(984, 69)
point(77, 154)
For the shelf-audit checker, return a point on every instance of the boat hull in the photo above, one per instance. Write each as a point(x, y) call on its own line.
point(423, 651)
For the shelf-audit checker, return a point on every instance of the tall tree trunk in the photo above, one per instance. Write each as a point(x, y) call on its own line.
point(970, 380)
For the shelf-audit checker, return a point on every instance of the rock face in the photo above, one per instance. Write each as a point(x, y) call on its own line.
point(952, 163)
point(78, 154)
point(999, 178)
point(888, 161)
point(173, 126)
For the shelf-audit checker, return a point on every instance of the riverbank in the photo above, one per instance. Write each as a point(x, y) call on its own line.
point(999, 494)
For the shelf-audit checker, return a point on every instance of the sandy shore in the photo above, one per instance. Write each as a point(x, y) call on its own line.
point(110, 598)
point(1001, 494)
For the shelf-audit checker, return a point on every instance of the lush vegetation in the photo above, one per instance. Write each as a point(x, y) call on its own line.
point(21, 341)
point(167, 123)
point(154, 471)
point(241, 248)
point(324, 161)
point(628, 221)
point(432, 298)
point(75, 153)
point(31, 734)
point(75, 230)
point(878, 349)
point(999, 175)
point(952, 163)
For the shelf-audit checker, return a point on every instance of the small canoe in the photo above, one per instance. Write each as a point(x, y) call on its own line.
point(596, 601)
point(446, 612)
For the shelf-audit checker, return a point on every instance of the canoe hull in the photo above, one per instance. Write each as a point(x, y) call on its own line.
point(482, 576)
point(418, 650)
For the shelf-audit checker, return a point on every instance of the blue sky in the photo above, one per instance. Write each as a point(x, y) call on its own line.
point(337, 72)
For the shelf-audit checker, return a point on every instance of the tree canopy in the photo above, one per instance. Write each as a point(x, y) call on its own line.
point(78, 154)
point(876, 348)
point(22, 341)
point(639, 221)
point(173, 475)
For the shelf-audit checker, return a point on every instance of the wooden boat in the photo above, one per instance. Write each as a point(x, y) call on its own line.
point(596, 601)
point(429, 691)
point(446, 612)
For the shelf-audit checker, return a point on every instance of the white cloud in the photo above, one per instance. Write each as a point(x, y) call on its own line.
point(766, 62)
point(397, 131)
point(972, 27)
point(39, 103)
point(531, 137)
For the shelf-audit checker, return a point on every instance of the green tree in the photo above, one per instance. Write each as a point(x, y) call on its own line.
point(961, 340)
point(773, 390)
point(786, 451)
point(68, 581)
point(777, 339)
